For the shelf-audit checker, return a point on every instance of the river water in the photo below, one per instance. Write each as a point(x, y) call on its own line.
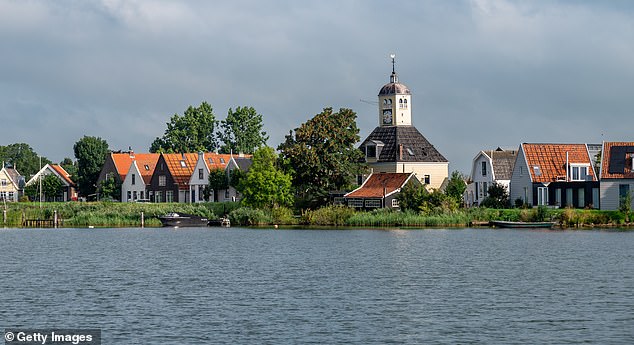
point(246, 286)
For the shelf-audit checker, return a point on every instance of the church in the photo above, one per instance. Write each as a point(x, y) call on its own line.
point(396, 146)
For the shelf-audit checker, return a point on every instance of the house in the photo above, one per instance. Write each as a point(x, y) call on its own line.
point(11, 184)
point(380, 190)
point(138, 176)
point(396, 146)
point(69, 188)
point(208, 162)
point(170, 181)
point(559, 175)
point(617, 174)
point(489, 167)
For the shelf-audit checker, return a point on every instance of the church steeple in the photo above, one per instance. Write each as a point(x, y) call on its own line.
point(394, 101)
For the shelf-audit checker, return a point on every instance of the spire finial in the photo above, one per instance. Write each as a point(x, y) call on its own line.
point(392, 56)
point(393, 77)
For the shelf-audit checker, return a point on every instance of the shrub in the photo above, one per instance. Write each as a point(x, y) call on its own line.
point(248, 216)
point(328, 215)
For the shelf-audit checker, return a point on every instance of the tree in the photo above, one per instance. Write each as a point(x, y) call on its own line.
point(192, 132)
point(70, 167)
point(412, 197)
point(322, 156)
point(218, 180)
point(498, 197)
point(265, 185)
point(22, 157)
point(242, 131)
point(51, 187)
point(110, 189)
point(456, 186)
point(90, 153)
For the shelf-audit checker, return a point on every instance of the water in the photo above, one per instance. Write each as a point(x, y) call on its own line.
point(240, 286)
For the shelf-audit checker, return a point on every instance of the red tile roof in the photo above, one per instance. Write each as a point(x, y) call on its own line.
point(216, 160)
point(181, 166)
point(551, 160)
point(122, 162)
point(379, 185)
point(617, 153)
point(61, 172)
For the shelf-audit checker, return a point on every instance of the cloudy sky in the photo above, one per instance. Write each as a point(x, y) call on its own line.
point(482, 73)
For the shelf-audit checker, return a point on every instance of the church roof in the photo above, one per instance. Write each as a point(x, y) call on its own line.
point(404, 144)
point(394, 87)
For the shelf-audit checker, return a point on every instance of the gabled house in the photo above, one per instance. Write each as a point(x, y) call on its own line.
point(208, 162)
point(11, 184)
point(138, 177)
point(380, 190)
point(489, 167)
point(170, 181)
point(559, 175)
point(118, 165)
point(68, 192)
point(617, 174)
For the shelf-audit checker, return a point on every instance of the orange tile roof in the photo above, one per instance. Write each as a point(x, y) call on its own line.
point(213, 160)
point(627, 155)
point(380, 184)
point(181, 166)
point(146, 163)
point(61, 172)
point(122, 162)
point(551, 160)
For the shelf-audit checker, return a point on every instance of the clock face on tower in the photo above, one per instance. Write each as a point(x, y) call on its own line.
point(387, 116)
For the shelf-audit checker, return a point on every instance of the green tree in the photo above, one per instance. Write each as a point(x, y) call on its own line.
point(218, 180)
point(110, 189)
point(242, 131)
point(498, 197)
point(51, 187)
point(412, 197)
point(265, 185)
point(192, 132)
point(22, 157)
point(90, 153)
point(70, 167)
point(322, 156)
point(456, 186)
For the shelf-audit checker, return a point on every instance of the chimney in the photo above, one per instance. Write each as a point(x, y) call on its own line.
point(131, 154)
point(400, 151)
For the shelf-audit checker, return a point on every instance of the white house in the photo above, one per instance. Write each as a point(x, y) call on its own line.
point(617, 174)
point(138, 175)
point(489, 167)
point(68, 191)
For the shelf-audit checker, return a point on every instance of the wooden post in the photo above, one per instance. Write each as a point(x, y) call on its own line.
point(4, 217)
point(55, 219)
point(142, 219)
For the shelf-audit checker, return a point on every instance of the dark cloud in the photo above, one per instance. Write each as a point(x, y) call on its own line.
point(483, 73)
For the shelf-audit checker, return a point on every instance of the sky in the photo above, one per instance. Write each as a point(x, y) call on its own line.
point(483, 74)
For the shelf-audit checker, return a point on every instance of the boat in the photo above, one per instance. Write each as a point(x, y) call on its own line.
point(174, 219)
point(519, 225)
point(223, 222)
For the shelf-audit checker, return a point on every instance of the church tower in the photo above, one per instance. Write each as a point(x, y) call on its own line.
point(396, 146)
point(395, 102)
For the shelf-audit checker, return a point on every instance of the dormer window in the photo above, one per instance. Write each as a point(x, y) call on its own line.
point(370, 151)
point(183, 164)
point(578, 172)
point(211, 160)
point(537, 170)
point(222, 161)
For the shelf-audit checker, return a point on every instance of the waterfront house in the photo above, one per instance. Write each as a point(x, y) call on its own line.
point(558, 175)
point(396, 146)
point(489, 167)
point(170, 181)
point(617, 174)
point(138, 176)
point(208, 162)
point(11, 184)
point(69, 188)
point(380, 190)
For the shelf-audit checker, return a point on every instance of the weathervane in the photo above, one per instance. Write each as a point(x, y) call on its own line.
point(392, 56)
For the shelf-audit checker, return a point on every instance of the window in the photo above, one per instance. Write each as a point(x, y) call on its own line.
point(484, 168)
point(200, 174)
point(222, 161)
point(227, 193)
point(183, 164)
point(147, 167)
point(537, 171)
point(485, 189)
point(158, 197)
point(355, 203)
point(129, 195)
point(169, 196)
point(359, 179)
point(405, 103)
point(521, 170)
point(201, 197)
point(624, 193)
point(427, 179)
point(558, 196)
point(133, 179)
point(542, 196)
point(3, 195)
point(135, 196)
point(370, 151)
point(11, 195)
point(595, 198)
point(373, 203)
point(578, 173)
point(162, 180)
point(569, 197)
point(141, 195)
point(410, 152)
point(400, 103)
point(211, 160)
point(581, 196)
point(395, 203)
point(3, 182)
